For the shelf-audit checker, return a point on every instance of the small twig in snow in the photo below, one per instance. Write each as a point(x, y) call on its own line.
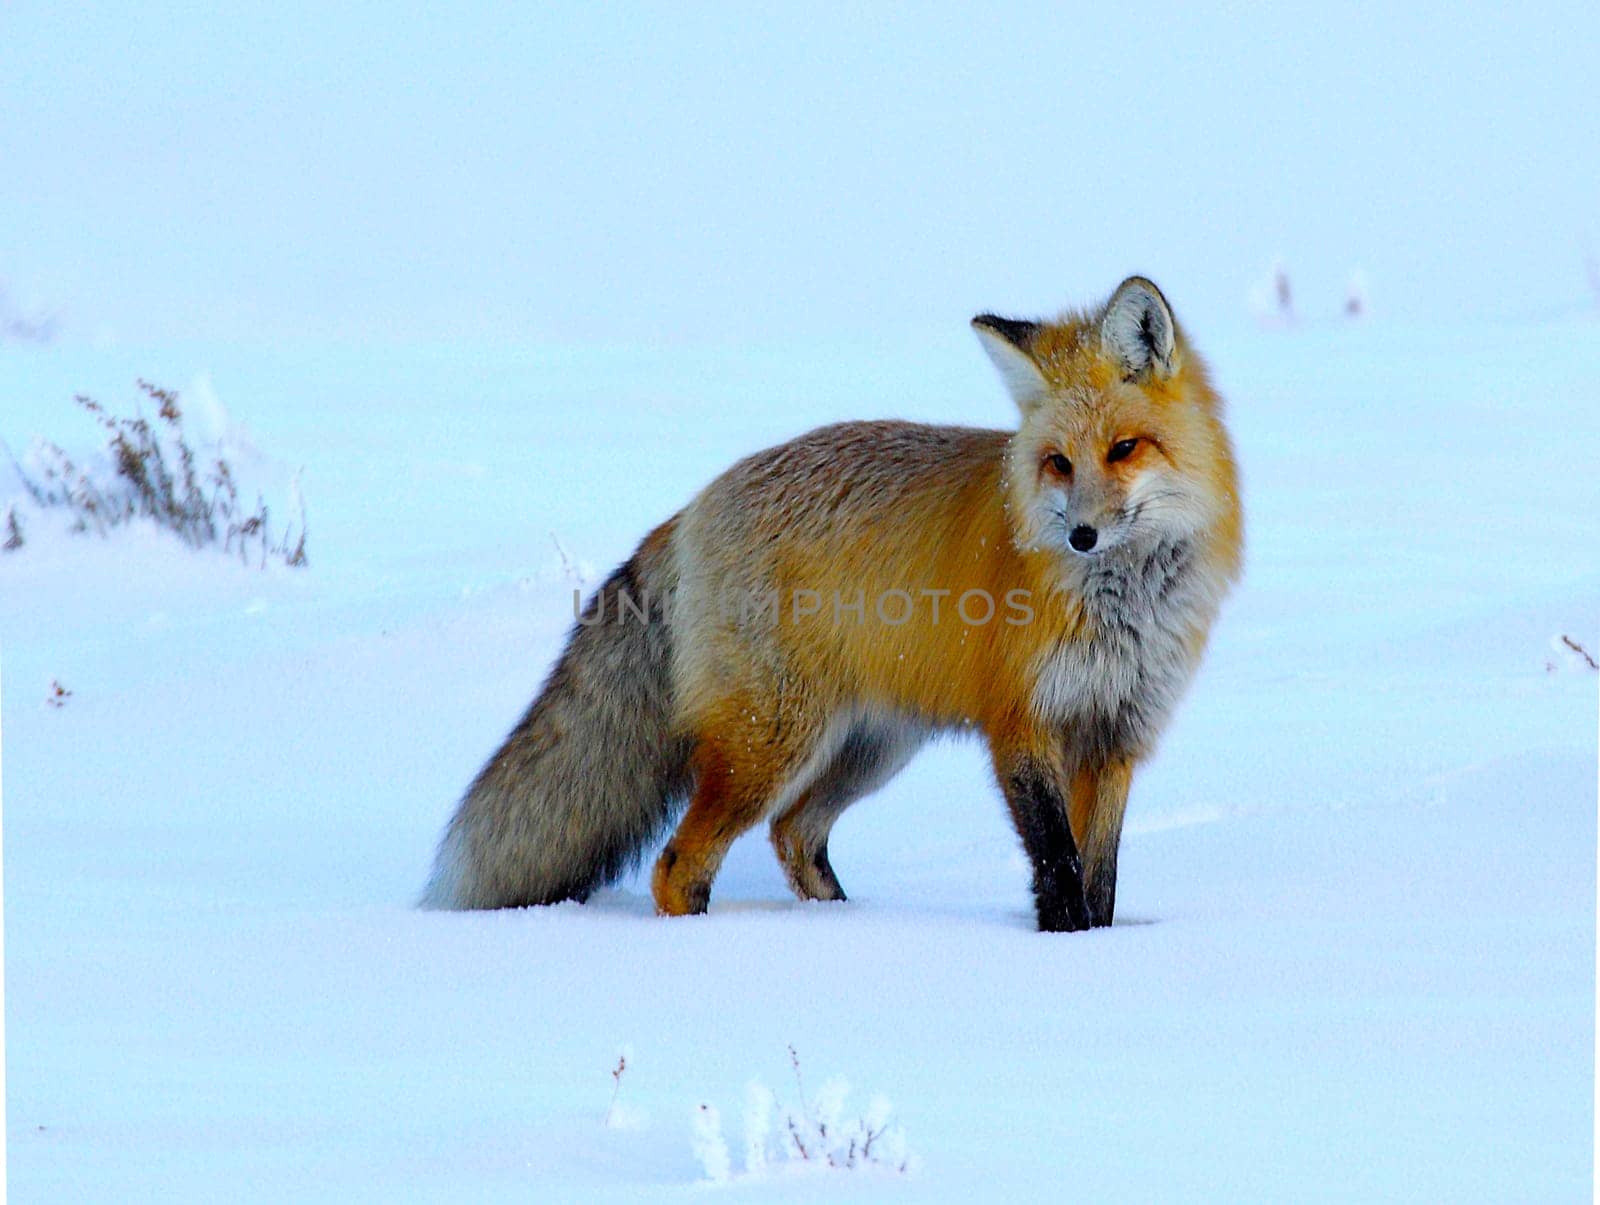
point(616, 1085)
point(1581, 651)
point(794, 1061)
point(794, 1137)
point(568, 569)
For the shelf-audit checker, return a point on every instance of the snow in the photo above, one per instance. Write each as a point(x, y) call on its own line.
point(1355, 951)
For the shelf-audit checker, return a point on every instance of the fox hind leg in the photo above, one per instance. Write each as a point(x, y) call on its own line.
point(740, 771)
point(869, 756)
point(800, 837)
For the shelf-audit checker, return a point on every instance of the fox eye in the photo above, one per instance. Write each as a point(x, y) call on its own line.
point(1121, 450)
point(1060, 464)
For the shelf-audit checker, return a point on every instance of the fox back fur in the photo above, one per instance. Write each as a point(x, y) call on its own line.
point(786, 643)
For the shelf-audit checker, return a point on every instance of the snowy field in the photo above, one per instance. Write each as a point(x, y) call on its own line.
point(1354, 956)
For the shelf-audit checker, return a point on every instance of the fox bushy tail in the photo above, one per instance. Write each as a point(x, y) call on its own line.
point(592, 772)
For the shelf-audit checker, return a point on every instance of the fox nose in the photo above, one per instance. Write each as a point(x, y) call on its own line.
point(1083, 537)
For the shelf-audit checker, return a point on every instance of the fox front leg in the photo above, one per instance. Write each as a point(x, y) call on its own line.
point(1038, 805)
point(1098, 801)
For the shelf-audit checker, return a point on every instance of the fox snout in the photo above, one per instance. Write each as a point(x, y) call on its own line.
point(1091, 519)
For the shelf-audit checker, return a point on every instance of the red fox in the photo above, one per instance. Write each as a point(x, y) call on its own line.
point(785, 643)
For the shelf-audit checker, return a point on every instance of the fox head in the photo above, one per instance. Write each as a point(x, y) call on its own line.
point(1121, 443)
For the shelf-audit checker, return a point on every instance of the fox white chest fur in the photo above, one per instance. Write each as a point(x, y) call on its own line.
point(1149, 610)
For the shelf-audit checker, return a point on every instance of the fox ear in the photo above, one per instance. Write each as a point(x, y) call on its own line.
point(1008, 340)
point(1138, 331)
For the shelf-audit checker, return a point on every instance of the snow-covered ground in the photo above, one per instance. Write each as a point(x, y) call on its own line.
point(1354, 957)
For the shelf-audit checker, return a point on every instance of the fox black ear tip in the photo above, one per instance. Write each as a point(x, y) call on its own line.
point(1013, 330)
